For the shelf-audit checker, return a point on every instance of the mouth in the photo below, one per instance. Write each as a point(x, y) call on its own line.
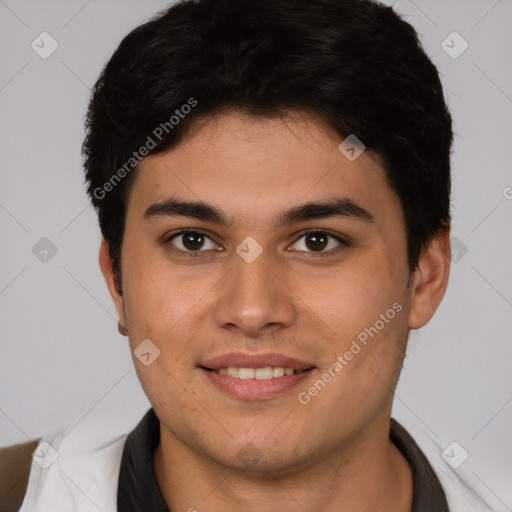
point(262, 373)
point(255, 377)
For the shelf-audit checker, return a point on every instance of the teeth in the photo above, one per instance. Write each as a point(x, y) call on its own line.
point(246, 373)
point(278, 371)
point(232, 372)
point(265, 373)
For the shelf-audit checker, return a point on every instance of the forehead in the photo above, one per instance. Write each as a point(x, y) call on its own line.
point(257, 166)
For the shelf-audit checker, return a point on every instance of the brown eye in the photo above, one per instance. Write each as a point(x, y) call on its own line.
point(321, 242)
point(316, 241)
point(192, 241)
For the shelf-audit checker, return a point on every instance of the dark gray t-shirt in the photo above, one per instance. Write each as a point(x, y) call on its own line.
point(138, 489)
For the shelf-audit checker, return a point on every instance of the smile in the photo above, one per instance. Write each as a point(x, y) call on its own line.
point(252, 384)
point(265, 373)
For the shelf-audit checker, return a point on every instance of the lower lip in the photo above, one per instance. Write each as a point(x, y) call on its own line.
point(254, 389)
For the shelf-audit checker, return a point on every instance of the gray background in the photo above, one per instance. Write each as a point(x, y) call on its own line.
point(62, 361)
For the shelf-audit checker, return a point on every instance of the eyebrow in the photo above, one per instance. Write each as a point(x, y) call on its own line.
point(338, 207)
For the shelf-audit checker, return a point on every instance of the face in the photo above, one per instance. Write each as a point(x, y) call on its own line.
point(254, 276)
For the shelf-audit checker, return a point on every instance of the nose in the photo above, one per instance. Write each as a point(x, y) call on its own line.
point(254, 298)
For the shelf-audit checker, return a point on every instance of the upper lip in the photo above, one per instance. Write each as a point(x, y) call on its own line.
point(245, 360)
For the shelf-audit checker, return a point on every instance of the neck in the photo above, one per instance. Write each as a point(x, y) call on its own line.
point(367, 473)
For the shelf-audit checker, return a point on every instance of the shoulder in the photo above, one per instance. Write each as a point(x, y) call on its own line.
point(77, 470)
point(464, 492)
point(15, 464)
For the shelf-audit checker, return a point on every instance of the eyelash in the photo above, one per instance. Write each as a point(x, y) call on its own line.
point(197, 254)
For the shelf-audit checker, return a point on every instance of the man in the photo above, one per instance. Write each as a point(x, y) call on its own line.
point(272, 181)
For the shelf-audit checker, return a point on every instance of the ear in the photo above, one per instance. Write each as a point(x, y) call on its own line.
point(430, 279)
point(110, 279)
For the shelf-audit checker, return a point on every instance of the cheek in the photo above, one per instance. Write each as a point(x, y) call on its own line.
point(364, 361)
point(352, 298)
point(154, 298)
point(164, 305)
point(364, 315)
